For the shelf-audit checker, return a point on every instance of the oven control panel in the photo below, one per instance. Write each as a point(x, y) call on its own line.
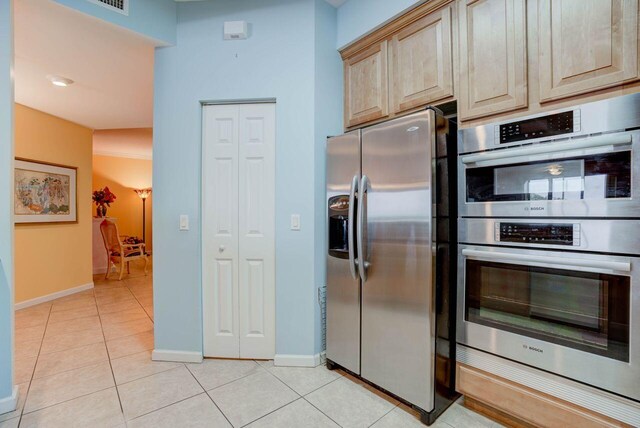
point(540, 127)
point(539, 233)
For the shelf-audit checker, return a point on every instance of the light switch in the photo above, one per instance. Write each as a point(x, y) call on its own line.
point(295, 221)
point(184, 222)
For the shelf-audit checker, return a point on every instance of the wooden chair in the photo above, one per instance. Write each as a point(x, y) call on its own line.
point(117, 252)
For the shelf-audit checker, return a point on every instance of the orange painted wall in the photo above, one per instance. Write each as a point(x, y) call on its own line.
point(54, 257)
point(122, 175)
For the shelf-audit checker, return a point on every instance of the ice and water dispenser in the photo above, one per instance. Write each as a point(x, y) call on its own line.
point(339, 226)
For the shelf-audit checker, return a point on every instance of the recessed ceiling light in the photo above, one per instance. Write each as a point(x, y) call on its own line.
point(59, 80)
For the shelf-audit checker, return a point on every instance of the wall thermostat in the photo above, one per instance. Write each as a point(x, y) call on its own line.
point(235, 30)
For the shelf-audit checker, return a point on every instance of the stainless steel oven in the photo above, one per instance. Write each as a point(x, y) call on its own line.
point(559, 295)
point(574, 162)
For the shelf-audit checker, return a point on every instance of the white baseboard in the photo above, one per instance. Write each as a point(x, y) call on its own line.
point(52, 296)
point(287, 360)
point(9, 404)
point(177, 356)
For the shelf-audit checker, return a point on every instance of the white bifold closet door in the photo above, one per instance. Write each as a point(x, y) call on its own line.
point(238, 230)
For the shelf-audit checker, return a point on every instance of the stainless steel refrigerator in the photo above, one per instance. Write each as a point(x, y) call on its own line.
point(388, 264)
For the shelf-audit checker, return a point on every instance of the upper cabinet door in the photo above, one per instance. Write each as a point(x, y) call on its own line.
point(421, 62)
point(366, 85)
point(493, 57)
point(586, 45)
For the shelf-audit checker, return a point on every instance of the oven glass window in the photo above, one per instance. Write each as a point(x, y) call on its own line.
point(601, 176)
point(581, 310)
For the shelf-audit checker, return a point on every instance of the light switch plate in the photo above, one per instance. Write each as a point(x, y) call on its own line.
point(295, 221)
point(184, 222)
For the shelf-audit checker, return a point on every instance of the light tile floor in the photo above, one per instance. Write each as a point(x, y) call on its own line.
point(85, 361)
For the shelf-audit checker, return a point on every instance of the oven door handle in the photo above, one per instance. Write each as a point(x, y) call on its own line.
point(556, 261)
point(514, 154)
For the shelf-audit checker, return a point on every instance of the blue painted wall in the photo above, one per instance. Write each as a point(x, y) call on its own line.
point(358, 17)
point(278, 60)
point(328, 121)
point(152, 18)
point(6, 209)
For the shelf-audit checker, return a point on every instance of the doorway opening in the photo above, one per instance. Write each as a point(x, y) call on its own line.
point(84, 105)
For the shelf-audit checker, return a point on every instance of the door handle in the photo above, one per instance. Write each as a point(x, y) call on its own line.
point(521, 154)
point(221, 248)
point(350, 244)
point(363, 264)
point(567, 262)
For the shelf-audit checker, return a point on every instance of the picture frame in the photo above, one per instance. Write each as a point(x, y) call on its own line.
point(44, 193)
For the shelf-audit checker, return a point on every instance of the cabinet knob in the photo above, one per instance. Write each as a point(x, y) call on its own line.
point(221, 249)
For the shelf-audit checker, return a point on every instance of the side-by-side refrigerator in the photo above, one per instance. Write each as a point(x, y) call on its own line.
point(390, 192)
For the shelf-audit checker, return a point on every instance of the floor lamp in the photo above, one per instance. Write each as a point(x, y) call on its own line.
point(144, 194)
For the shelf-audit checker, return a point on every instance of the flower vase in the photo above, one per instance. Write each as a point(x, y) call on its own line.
point(101, 211)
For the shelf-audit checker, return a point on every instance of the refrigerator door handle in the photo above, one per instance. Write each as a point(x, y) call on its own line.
point(352, 207)
point(363, 264)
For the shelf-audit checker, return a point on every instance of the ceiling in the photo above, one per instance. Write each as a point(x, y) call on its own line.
point(124, 143)
point(112, 67)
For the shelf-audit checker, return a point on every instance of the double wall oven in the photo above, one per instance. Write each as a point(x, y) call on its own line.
point(549, 231)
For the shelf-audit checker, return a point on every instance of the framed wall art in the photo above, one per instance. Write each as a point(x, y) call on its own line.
point(44, 192)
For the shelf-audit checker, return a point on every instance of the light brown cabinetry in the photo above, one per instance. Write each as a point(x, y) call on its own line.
point(365, 85)
point(498, 58)
point(586, 45)
point(405, 65)
point(421, 62)
point(532, 407)
point(493, 57)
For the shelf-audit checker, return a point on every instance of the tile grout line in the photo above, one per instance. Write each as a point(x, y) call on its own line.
point(273, 411)
point(66, 401)
point(64, 350)
point(113, 376)
point(312, 368)
point(378, 420)
point(208, 396)
point(70, 370)
point(136, 297)
point(26, 397)
point(46, 325)
point(149, 375)
point(304, 396)
point(61, 402)
point(226, 383)
point(164, 407)
point(300, 396)
point(168, 405)
point(320, 410)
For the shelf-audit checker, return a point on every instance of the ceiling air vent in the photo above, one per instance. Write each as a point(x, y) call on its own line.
point(120, 6)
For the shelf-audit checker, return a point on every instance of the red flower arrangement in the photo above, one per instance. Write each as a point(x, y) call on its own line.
point(103, 198)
